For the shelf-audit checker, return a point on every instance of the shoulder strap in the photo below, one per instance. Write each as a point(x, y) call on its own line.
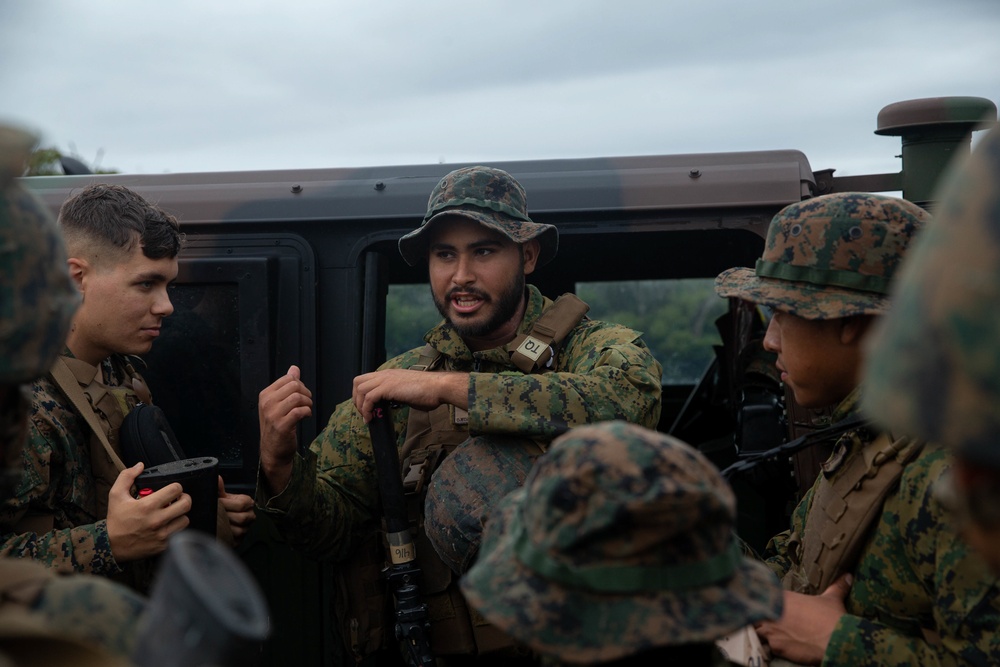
point(844, 509)
point(429, 359)
point(536, 350)
point(66, 380)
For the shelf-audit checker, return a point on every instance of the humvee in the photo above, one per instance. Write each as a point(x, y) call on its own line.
point(302, 267)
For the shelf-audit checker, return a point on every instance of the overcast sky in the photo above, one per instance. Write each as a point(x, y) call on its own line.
point(197, 85)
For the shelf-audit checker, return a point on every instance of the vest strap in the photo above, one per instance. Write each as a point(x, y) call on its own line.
point(535, 351)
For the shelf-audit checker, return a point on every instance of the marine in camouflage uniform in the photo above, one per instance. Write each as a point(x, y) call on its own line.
point(44, 619)
point(58, 513)
point(65, 513)
point(935, 365)
point(916, 596)
point(620, 547)
point(601, 372)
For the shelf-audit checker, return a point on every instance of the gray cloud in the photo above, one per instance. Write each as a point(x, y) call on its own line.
point(188, 86)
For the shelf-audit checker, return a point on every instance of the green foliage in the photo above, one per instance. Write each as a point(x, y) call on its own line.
point(45, 162)
point(677, 318)
point(409, 313)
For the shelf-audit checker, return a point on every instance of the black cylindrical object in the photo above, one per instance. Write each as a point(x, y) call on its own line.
point(205, 609)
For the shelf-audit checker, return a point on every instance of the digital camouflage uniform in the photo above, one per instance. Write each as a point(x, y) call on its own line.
point(59, 485)
point(603, 372)
point(44, 619)
point(917, 597)
point(620, 542)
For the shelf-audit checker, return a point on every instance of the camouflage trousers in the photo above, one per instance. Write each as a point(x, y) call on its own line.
point(467, 485)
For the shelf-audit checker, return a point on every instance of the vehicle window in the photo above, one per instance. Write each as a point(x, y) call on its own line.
point(676, 318)
point(409, 314)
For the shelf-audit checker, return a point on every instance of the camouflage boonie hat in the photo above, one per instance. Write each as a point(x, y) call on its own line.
point(621, 540)
point(488, 196)
point(828, 257)
point(37, 297)
point(934, 363)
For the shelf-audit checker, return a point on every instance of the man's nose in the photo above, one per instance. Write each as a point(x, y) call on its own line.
point(772, 337)
point(464, 274)
point(162, 306)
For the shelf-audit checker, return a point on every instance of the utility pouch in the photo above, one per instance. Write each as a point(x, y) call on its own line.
point(362, 603)
point(146, 436)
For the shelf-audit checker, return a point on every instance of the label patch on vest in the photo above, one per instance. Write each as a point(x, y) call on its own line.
point(461, 415)
point(532, 348)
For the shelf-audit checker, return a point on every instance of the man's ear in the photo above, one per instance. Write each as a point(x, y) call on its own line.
point(79, 271)
point(854, 328)
point(530, 250)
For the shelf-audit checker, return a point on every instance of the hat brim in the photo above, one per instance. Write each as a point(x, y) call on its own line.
point(806, 300)
point(584, 626)
point(413, 246)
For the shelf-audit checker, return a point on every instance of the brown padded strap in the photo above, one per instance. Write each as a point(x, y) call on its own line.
point(534, 351)
point(844, 509)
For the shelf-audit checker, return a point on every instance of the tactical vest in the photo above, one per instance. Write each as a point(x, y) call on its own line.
point(847, 502)
point(456, 628)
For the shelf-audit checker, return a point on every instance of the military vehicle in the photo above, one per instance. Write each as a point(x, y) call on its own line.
point(301, 267)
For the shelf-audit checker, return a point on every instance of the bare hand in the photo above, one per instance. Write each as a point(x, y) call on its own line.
point(239, 510)
point(417, 389)
point(139, 527)
point(803, 632)
point(281, 407)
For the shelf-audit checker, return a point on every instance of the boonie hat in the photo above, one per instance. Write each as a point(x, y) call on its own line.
point(830, 256)
point(488, 196)
point(934, 363)
point(620, 540)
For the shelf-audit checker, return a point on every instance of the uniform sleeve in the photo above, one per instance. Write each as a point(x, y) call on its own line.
point(920, 556)
point(604, 372)
point(331, 497)
point(82, 548)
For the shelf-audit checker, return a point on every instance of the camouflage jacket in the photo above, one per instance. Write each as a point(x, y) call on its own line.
point(603, 372)
point(58, 482)
point(919, 596)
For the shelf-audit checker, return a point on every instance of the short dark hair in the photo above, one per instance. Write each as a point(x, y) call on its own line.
point(115, 217)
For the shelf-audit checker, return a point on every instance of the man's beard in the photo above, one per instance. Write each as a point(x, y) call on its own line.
point(506, 307)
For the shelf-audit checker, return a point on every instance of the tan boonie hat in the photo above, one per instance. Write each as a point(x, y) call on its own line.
point(828, 257)
point(934, 364)
point(621, 540)
point(488, 196)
